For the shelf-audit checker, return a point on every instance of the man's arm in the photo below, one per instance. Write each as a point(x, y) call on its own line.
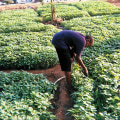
point(81, 64)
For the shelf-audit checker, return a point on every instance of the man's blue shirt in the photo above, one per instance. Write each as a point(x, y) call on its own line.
point(69, 39)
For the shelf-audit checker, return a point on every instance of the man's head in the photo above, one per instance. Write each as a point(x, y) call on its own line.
point(89, 40)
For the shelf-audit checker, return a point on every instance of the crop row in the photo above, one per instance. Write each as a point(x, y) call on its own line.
point(102, 61)
point(102, 83)
point(97, 95)
point(24, 42)
point(101, 27)
point(62, 11)
point(25, 96)
point(84, 107)
point(80, 9)
point(23, 34)
point(97, 8)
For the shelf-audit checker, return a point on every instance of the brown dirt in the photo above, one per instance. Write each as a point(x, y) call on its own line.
point(19, 6)
point(116, 3)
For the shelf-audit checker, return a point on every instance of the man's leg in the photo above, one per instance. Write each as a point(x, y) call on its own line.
point(68, 79)
point(65, 60)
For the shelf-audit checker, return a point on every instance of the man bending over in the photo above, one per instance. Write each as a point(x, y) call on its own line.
point(70, 44)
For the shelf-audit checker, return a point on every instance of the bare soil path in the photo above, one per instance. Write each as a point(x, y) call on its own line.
point(19, 6)
point(117, 2)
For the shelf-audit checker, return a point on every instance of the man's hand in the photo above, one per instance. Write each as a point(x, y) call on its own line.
point(85, 71)
point(81, 64)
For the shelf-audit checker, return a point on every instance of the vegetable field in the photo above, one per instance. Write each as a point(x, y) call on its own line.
point(25, 43)
point(25, 96)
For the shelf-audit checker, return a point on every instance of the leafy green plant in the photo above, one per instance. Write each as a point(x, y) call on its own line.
point(25, 44)
point(95, 8)
point(25, 96)
point(84, 107)
point(62, 11)
point(101, 27)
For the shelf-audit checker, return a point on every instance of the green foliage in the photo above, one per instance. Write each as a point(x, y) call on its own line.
point(24, 42)
point(25, 96)
point(101, 27)
point(105, 85)
point(28, 57)
point(84, 108)
point(45, 12)
point(95, 8)
point(102, 61)
point(79, 9)
point(62, 11)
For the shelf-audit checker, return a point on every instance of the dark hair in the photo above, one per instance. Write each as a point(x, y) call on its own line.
point(90, 38)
